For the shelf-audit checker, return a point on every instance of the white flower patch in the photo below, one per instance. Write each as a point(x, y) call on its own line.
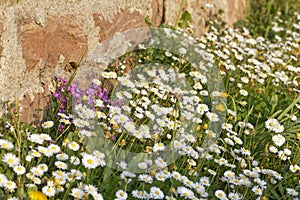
point(278, 140)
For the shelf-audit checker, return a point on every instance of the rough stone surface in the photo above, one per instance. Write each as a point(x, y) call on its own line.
point(61, 36)
point(37, 38)
point(157, 12)
point(233, 10)
point(119, 23)
point(1, 30)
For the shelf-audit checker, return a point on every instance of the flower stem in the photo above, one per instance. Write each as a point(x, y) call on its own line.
point(179, 14)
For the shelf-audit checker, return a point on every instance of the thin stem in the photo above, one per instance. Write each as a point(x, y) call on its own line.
point(179, 14)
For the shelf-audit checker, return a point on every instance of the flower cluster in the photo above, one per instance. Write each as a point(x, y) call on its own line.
point(66, 92)
point(216, 118)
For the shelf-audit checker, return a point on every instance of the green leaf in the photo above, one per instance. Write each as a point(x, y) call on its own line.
point(186, 16)
point(289, 108)
point(277, 196)
point(185, 19)
point(281, 189)
point(148, 21)
point(273, 102)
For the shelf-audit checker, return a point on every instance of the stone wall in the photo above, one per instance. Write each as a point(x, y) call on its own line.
point(37, 38)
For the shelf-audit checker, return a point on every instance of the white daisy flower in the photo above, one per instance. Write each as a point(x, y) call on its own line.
point(5, 144)
point(273, 149)
point(205, 181)
point(212, 116)
point(229, 175)
point(10, 185)
point(74, 146)
point(96, 82)
point(36, 138)
point(278, 140)
point(90, 189)
point(19, 170)
point(201, 108)
point(61, 165)
point(294, 168)
point(74, 160)
point(235, 196)
point(3, 180)
point(121, 195)
point(158, 147)
point(47, 124)
point(271, 124)
point(257, 190)
point(220, 194)
point(185, 192)
point(89, 161)
point(62, 157)
point(43, 167)
point(278, 128)
point(244, 92)
point(145, 178)
point(77, 193)
point(292, 192)
point(156, 193)
point(11, 159)
point(245, 80)
point(48, 191)
point(54, 148)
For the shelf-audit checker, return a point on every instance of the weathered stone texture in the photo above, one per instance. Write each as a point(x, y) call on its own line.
point(233, 10)
point(119, 23)
point(61, 36)
point(37, 38)
point(1, 29)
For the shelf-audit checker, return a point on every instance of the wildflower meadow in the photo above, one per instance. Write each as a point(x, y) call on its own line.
point(173, 116)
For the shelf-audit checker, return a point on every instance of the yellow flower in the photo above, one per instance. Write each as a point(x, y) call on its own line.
point(36, 195)
point(224, 94)
point(66, 141)
point(243, 103)
point(152, 172)
point(172, 190)
point(115, 126)
point(259, 90)
point(220, 107)
point(123, 142)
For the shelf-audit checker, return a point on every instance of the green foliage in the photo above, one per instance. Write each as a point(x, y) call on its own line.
point(216, 22)
point(262, 14)
point(88, 134)
point(185, 20)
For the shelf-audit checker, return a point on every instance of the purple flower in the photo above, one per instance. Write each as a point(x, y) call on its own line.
point(74, 93)
point(57, 95)
point(61, 128)
point(112, 136)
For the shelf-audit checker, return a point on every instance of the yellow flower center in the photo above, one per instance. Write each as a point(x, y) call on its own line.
point(37, 195)
point(90, 161)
